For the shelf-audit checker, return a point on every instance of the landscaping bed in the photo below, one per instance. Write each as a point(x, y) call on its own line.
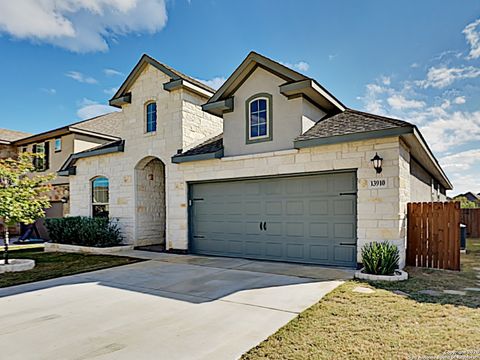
point(397, 320)
point(53, 265)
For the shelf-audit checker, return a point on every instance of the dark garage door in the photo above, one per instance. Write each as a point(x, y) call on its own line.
point(307, 219)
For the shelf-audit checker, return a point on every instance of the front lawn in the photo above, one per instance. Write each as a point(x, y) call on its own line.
point(386, 325)
point(53, 265)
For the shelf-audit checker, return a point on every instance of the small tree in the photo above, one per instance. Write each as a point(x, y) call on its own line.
point(465, 203)
point(23, 195)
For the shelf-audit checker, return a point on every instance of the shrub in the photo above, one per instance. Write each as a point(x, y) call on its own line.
point(380, 258)
point(84, 231)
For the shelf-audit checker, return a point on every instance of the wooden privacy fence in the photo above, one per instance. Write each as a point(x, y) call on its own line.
point(471, 218)
point(433, 237)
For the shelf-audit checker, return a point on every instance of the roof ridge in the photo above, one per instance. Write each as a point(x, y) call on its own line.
point(183, 75)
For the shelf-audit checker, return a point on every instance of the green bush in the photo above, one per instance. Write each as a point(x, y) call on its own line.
point(380, 258)
point(84, 231)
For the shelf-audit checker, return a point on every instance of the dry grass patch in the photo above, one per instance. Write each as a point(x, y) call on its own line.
point(53, 265)
point(383, 325)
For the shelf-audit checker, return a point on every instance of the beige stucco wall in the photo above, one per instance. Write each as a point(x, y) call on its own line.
point(179, 116)
point(289, 116)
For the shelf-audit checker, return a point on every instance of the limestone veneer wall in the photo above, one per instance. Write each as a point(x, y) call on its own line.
point(179, 115)
point(380, 212)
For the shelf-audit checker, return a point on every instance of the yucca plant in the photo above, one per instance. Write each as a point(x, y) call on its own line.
point(380, 258)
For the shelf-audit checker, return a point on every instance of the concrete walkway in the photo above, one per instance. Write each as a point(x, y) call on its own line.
point(172, 307)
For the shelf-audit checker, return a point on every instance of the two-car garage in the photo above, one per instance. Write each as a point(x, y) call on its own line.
point(305, 219)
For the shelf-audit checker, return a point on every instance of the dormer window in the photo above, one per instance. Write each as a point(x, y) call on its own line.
point(151, 117)
point(259, 118)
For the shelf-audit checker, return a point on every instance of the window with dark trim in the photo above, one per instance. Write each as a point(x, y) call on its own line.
point(100, 197)
point(42, 161)
point(259, 118)
point(151, 117)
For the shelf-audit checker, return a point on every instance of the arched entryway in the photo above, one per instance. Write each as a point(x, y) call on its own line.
point(150, 202)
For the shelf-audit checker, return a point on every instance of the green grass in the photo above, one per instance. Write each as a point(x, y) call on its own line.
point(53, 265)
point(383, 325)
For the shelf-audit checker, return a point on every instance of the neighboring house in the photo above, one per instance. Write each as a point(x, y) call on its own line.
point(470, 196)
point(57, 145)
point(271, 166)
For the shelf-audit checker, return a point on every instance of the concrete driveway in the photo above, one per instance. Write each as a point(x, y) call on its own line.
point(172, 307)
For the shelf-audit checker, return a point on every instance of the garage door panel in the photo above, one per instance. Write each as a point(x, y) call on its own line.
point(343, 231)
point(295, 207)
point(294, 229)
point(319, 230)
point(319, 252)
point(308, 219)
point(344, 254)
point(273, 207)
point(295, 251)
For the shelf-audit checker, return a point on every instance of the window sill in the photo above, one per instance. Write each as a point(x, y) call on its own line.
point(150, 133)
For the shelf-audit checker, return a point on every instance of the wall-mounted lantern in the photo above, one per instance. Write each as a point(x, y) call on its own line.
point(377, 163)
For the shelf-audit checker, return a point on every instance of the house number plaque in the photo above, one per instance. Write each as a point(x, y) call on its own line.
point(377, 183)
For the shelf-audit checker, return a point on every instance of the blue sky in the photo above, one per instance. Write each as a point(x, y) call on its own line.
point(417, 60)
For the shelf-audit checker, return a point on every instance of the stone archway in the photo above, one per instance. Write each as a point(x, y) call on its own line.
point(150, 210)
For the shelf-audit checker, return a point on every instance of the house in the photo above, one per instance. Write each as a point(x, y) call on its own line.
point(270, 166)
point(470, 196)
point(57, 145)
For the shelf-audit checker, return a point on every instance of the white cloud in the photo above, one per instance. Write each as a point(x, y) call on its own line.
point(215, 82)
point(110, 91)
point(414, 65)
point(112, 72)
point(459, 100)
point(80, 26)
point(442, 76)
point(49, 91)
point(461, 161)
point(399, 102)
point(472, 34)
point(299, 66)
point(332, 56)
point(78, 76)
point(386, 80)
point(89, 109)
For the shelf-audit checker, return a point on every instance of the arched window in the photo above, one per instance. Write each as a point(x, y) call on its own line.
point(259, 118)
point(100, 196)
point(151, 117)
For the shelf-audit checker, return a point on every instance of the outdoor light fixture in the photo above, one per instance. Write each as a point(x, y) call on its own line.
point(377, 163)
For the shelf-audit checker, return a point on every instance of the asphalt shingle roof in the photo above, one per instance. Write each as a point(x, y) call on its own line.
point(350, 122)
point(12, 135)
point(108, 124)
point(212, 145)
point(345, 123)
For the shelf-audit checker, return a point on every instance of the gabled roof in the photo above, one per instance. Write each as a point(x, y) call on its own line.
point(295, 84)
point(103, 126)
point(7, 136)
point(177, 78)
point(68, 167)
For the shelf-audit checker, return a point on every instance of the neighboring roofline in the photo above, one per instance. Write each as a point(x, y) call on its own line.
point(177, 159)
point(365, 135)
point(5, 142)
point(64, 130)
point(276, 68)
point(135, 73)
point(103, 150)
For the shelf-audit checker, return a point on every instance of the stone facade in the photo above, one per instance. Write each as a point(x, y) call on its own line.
point(380, 212)
point(181, 123)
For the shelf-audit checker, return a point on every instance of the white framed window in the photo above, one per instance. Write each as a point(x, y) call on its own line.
point(58, 144)
point(100, 197)
point(259, 118)
point(151, 117)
